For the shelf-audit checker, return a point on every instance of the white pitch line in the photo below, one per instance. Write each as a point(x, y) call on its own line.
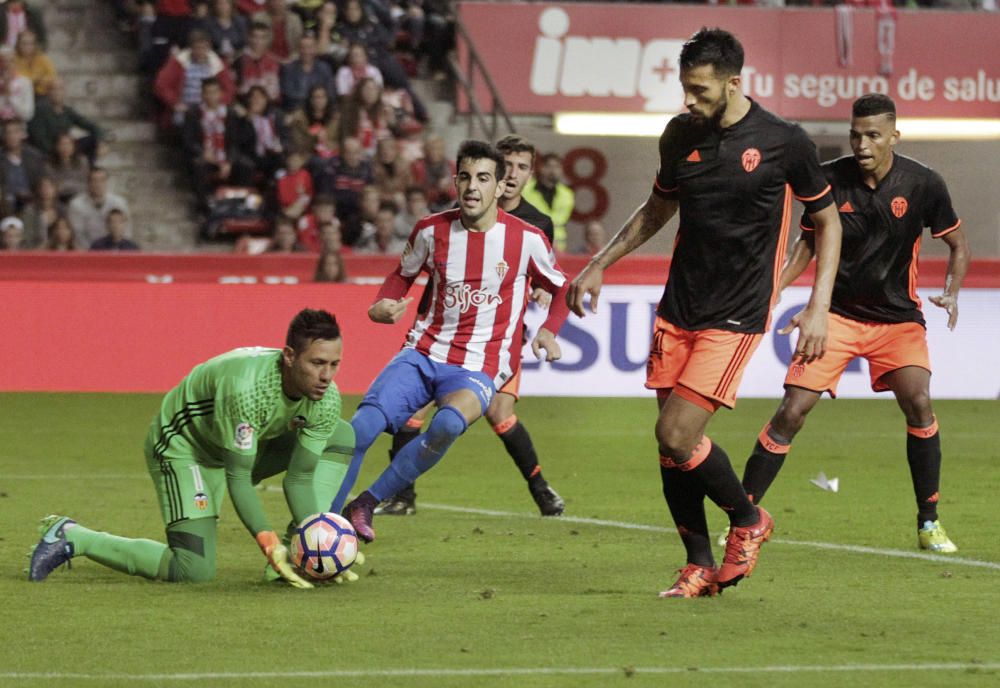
point(856, 549)
point(513, 671)
point(624, 525)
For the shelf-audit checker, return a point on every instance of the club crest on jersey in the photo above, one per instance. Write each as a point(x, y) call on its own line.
point(750, 159)
point(244, 436)
point(502, 268)
point(297, 423)
point(465, 297)
point(201, 501)
point(899, 206)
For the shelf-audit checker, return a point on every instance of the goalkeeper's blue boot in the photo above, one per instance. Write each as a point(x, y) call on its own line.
point(53, 550)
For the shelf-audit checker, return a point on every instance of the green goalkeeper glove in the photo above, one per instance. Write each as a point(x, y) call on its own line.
point(349, 576)
point(277, 556)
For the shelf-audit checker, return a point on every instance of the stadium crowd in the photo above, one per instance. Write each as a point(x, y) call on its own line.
point(299, 121)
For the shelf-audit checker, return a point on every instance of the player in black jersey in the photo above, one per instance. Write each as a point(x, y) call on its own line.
point(730, 168)
point(520, 157)
point(885, 202)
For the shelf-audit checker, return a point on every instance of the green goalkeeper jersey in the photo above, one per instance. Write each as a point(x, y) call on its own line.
point(227, 408)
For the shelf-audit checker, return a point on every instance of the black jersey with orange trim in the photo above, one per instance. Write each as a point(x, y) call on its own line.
point(883, 227)
point(734, 187)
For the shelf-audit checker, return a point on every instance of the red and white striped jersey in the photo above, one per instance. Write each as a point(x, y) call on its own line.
point(480, 283)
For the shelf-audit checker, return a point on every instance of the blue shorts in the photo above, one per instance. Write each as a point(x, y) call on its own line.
point(411, 380)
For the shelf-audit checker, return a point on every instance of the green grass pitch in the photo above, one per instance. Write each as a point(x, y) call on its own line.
point(500, 597)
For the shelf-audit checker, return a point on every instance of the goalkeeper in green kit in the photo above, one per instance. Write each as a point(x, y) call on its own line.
point(234, 420)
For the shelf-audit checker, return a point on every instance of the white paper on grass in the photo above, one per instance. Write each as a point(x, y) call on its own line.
point(824, 483)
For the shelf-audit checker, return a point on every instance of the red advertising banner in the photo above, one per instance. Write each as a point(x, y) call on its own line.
point(803, 64)
point(135, 337)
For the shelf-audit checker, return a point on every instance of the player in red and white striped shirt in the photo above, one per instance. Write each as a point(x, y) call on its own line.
point(479, 259)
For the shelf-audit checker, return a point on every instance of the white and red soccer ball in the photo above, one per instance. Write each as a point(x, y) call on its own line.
point(324, 545)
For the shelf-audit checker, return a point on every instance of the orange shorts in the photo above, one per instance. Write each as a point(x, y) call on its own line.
point(709, 362)
point(886, 347)
point(513, 385)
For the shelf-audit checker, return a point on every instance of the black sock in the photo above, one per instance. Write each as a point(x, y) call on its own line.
point(761, 470)
point(924, 456)
point(405, 435)
point(522, 450)
point(685, 496)
point(723, 487)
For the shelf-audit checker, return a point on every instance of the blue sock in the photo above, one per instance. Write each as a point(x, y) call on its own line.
point(368, 423)
point(420, 455)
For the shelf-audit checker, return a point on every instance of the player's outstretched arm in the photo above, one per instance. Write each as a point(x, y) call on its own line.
point(958, 265)
point(388, 311)
point(811, 321)
point(545, 340)
point(247, 504)
point(802, 254)
point(646, 221)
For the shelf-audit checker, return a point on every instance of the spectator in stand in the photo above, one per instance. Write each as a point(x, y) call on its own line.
point(383, 241)
point(250, 7)
point(307, 9)
point(284, 238)
point(392, 172)
point(378, 38)
point(330, 268)
point(594, 238)
point(258, 67)
point(227, 29)
point(356, 69)
point(68, 167)
point(330, 43)
point(414, 210)
point(16, 17)
point(12, 231)
point(295, 186)
point(216, 140)
point(332, 239)
point(365, 117)
point(178, 84)
point(41, 212)
point(53, 118)
point(89, 209)
point(286, 28)
point(317, 114)
point(115, 240)
point(31, 62)
point(61, 236)
point(267, 155)
point(359, 228)
point(350, 176)
point(547, 192)
point(17, 94)
point(439, 36)
point(169, 24)
point(323, 211)
point(301, 75)
point(435, 173)
point(21, 166)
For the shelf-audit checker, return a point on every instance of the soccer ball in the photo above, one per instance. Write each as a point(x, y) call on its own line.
point(324, 545)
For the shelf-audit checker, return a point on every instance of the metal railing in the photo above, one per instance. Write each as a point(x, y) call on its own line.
point(466, 78)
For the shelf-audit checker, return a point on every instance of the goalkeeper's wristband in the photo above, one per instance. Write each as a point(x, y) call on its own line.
point(267, 540)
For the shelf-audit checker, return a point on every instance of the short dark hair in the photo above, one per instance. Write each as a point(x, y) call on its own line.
point(310, 324)
point(214, 81)
point(872, 104)
point(481, 150)
point(512, 143)
point(715, 47)
point(324, 199)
